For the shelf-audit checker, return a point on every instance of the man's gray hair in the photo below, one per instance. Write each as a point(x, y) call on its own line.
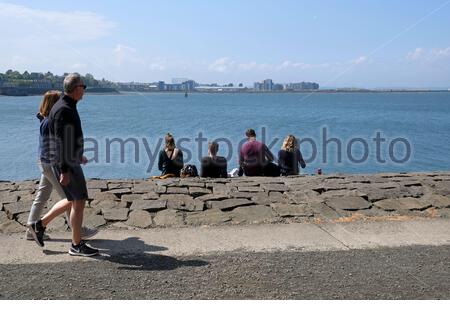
point(71, 81)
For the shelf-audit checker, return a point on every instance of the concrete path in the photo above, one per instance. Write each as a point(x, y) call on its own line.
point(252, 238)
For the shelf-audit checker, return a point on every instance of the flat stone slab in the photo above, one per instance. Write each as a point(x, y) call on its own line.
point(168, 218)
point(177, 190)
point(107, 204)
point(97, 184)
point(93, 220)
point(350, 203)
point(228, 204)
point(198, 191)
point(12, 209)
point(120, 214)
point(253, 214)
point(11, 227)
point(291, 210)
point(439, 201)
point(149, 205)
point(139, 219)
point(105, 196)
point(250, 189)
point(207, 217)
point(275, 187)
point(402, 204)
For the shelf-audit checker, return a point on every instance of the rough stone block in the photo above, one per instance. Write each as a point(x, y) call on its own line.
point(168, 218)
point(291, 210)
point(212, 197)
point(105, 196)
point(402, 204)
point(130, 197)
point(139, 219)
point(177, 190)
point(351, 203)
point(119, 192)
point(207, 217)
point(9, 198)
point(97, 184)
point(438, 201)
point(120, 214)
point(250, 189)
point(228, 204)
point(149, 205)
point(150, 196)
point(253, 214)
point(107, 204)
point(11, 227)
point(93, 220)
point(12, 209)
point(198, 191)
point(275, 187)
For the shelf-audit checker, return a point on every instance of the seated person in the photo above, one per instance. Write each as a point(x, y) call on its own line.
point(290, 156)
point(171, 158)
point(255, 158)
point(213, 166)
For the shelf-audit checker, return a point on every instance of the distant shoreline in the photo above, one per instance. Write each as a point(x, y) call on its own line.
point(325, 91)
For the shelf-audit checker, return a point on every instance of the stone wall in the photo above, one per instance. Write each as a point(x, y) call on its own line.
point(246, 200)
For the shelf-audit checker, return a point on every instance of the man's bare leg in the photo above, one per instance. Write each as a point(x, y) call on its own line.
point(76, 220)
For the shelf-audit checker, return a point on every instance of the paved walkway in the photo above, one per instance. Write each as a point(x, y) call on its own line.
point(222, 239)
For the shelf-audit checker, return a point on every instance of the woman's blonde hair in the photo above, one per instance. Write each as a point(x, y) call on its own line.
point(50, 98)
point(170, 141)
point(289, 143)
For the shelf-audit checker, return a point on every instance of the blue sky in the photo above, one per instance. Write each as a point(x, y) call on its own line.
point(336, 43)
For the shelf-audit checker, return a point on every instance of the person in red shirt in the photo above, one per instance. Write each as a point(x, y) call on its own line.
point(255, 159)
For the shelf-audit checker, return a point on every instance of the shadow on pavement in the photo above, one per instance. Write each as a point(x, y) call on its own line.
point(132, 254)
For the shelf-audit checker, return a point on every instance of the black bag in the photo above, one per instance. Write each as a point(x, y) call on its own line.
point(188, 171)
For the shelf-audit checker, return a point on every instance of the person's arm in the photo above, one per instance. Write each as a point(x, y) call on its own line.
point(64, 135)
point(161, 160)
point(179, 159)
point(224, 173)
point(203, 168)
point(281, 160)
point(300, 159)
point(268, 154)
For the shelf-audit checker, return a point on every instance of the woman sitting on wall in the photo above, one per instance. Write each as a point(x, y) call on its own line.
point(170, 159)
point(290, 156)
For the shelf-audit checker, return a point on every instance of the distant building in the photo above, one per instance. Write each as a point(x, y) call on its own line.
point(179, 80)
point(268, 85)
point(302, 86)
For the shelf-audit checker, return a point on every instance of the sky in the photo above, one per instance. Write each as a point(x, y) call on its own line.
point(370, 44)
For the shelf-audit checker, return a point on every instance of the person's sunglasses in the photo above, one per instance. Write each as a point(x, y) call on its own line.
point(83, 86)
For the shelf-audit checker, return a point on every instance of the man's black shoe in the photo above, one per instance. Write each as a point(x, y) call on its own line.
point(83, 250)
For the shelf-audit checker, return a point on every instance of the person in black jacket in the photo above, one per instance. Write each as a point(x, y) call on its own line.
point(290, 156)
point(170, 159)
point(213, 166)
point(66, 153)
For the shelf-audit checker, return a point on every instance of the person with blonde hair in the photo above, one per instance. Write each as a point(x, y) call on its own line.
point(49, 181)
point(290, 156)
point(170, 159)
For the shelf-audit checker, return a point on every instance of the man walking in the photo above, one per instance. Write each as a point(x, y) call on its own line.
point(66, 139)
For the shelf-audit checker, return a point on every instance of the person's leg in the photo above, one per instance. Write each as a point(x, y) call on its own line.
point(76, 220)
point(54, 180)
point(42, 195)
point(60, 207)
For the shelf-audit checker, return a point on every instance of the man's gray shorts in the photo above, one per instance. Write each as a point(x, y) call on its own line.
point(76, 189)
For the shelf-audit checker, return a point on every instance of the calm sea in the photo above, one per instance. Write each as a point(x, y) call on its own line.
point(343, 132)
